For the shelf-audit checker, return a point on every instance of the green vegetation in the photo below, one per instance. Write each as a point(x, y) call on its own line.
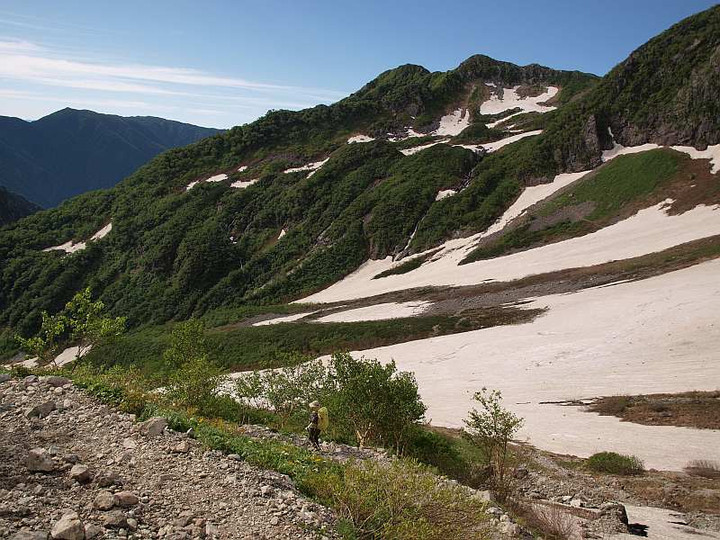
point(627, 182)
point(492, 427)
point(407, 266)
point(260, 347)
point(613, 463)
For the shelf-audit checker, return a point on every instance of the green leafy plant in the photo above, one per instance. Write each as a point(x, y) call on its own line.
point(492, 427)
point(614, 463)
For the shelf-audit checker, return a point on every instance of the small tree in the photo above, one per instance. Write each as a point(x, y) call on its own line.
point(48, 342)
point(88, 323)
point(492, 427)
point(194, 379)
point(377, 401)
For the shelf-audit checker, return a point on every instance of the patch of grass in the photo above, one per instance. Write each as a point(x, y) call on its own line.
point(260, 347)
point(614, 463)
point(611, 406)
point(616, 188)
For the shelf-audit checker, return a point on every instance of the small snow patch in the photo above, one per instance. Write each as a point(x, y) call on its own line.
point(242, 184)
point(511, 100)
point(378, 312)
point(282, 233)
point(359, 139)
point(71, 247)
point(443, 194)
point(313, 167)
point(416, 149)
point(215, 178)
point(454, 123)
point(243, 168)
point(286, 319)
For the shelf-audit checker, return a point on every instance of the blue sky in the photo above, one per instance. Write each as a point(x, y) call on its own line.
point(223, 63)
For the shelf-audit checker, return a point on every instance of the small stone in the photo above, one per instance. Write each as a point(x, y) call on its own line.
point(30, 379)
point(235, 457)
point(132, 524)
point(38, 460)
point(115, 519)
point(71, 458)
point(104, 500)
point(211, 529)
point(5, 377)
point(183, 447)
point(107, 478)
point(58, 391)
point(81, 474)
point(68, 528)
point(129, 444)
point(274, 521)
point(577, 503)
point(92, 531)
point(126, 499)
point(265, 491)
point(155, 426)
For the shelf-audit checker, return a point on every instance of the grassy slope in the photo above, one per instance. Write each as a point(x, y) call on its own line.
point(623, 185)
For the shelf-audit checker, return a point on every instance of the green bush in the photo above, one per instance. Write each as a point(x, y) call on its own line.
point(401, 500)
point(613, 463)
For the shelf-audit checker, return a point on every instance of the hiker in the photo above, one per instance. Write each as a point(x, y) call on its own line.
point(318, 422)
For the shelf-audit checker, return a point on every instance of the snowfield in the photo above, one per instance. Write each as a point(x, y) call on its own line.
point(511, 100)
point(378, 312)
point(661, 334)
point(359, 139)
point(214, 178)
point(444, 193)
point(242, 184)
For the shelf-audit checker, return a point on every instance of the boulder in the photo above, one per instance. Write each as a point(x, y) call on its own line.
point(126, 499)
point(81, 474)
point(155, 426)
point(5, 377)
point(92, 531)
point(38, 460)
point(30, 379)
point(104, 500)
point(40, 411)
point(68, 528)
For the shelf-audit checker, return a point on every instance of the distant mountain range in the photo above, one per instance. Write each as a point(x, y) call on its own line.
point(73, 151)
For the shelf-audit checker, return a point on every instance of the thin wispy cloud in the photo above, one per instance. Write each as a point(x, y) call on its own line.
point(34, 67)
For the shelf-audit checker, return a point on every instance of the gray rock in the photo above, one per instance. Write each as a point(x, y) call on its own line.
point(107, 478)
point(81, 474)
point(104, 500)
point(29, 535)
point(30, 379)
point(132, 524)
point(235, 457)
point(55, 381)
point(69, 527)
point(115, 519)
point(40, 411)
point(38, 460)
point(126, 499)
point(155, 426)
point(5, 377)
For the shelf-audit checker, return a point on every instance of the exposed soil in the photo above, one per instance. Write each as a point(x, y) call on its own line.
point(699, 410)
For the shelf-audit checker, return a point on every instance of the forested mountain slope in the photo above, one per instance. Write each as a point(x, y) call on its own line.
point(283, 207)
point(14, 207)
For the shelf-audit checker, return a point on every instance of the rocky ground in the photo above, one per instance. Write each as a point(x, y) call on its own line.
point(73, 468)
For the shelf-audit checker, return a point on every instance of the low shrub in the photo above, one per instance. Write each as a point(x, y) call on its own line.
point(552, 522)
point(614, 463)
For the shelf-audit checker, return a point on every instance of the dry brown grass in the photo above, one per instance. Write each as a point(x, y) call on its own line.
point(703, 467)
point(553, 522)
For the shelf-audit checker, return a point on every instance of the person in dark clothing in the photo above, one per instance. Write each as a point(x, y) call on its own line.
point(313, 428)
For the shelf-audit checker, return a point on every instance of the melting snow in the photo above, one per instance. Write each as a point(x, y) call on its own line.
point(66, 357)
point(712, 152)
point(511, 100)
point(215, 178)
point(497, 145)
point(378, 312)
point(71, 247)
point(243, 168)
point(454, 123)
point(655, 335)
point(282, 233)
point(416, 149)
point(286, 319)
